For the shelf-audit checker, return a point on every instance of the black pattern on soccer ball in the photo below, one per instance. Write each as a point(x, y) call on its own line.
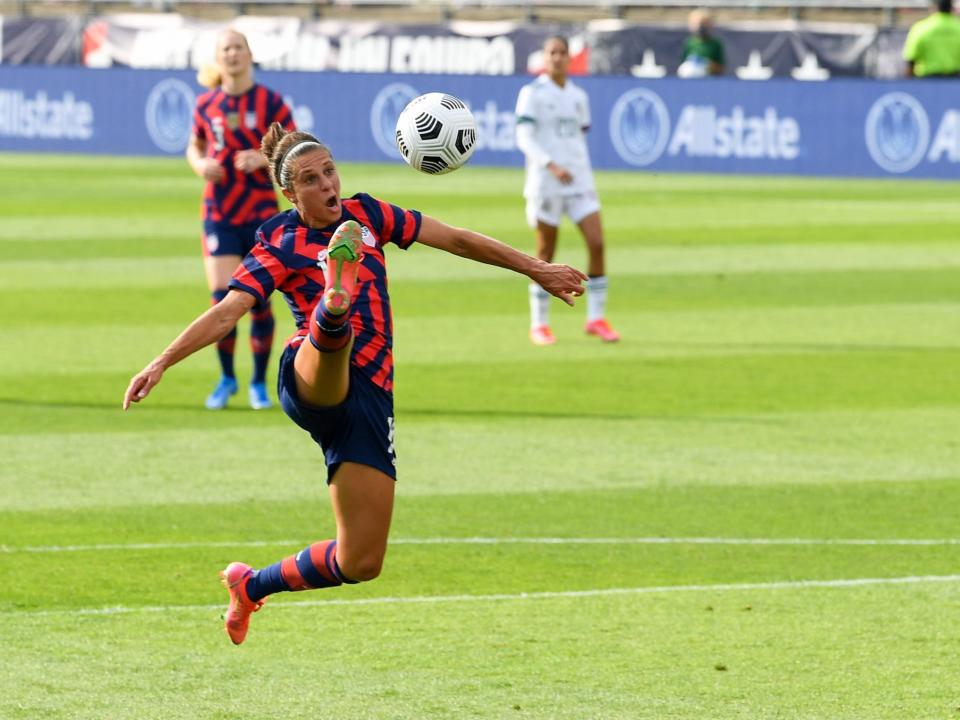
point(451, 103)
point(404, 150)
point(428, 127)
point(433, 164)
point(465, 139)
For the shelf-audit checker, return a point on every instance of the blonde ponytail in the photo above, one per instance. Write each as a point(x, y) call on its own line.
point(210, 75)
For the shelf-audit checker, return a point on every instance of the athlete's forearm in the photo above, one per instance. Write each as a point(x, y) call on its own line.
point(209, 327)
point(561, 280)
point(475, 246)
point(481, 248)
point(196, 154)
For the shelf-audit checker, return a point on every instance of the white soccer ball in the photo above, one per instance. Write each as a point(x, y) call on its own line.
point(436, 133)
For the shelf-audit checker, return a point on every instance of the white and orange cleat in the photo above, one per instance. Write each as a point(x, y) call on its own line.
point(601, 328)
point(237, 620)
point(542, 335)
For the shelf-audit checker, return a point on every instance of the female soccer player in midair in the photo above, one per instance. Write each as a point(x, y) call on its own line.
point(553, 115)
point(326, 256)
point(224, 149)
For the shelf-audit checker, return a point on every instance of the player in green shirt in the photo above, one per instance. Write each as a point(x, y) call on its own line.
point(702, 52)
point(932, 48)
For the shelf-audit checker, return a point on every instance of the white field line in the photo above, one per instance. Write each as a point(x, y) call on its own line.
point(11, 549)
point(565, 594)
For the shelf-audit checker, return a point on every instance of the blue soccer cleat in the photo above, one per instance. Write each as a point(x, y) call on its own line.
point(217, 400)
point(259, 400)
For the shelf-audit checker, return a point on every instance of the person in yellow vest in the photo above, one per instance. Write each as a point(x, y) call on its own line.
point(932, 48)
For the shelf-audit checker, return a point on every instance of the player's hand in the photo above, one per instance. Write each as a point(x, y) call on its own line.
point(561, 174)
point(212, 171)
point(562, 281)
point(248, 161)
point(142, 383)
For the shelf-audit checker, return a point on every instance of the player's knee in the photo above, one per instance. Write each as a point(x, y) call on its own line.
point(363, 568)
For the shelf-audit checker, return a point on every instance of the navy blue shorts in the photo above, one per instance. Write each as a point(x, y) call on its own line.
point(221, 238)
point(359, 430)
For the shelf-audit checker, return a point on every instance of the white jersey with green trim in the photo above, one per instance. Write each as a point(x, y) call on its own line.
point(551, 122)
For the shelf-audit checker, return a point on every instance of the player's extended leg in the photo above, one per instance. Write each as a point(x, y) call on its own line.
point(323, 364)
point(363, 505)
point(219, 269)
point(363, 509)
point(597, 324)
point(546, 242)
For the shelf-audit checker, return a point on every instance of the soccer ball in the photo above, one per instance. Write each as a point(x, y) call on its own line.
point(436, 133)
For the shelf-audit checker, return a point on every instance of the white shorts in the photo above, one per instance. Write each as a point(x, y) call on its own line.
point(550, 210)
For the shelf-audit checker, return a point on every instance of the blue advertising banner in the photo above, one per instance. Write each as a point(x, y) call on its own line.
point(846, 127)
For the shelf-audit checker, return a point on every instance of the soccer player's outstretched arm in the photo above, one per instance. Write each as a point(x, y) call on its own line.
point(214, 324)
point(562, 281)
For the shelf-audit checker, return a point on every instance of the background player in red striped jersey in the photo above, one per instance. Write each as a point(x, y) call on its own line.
point(228, 123)
point(336, 374)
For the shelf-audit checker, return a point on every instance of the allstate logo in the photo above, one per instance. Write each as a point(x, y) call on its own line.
point(386, 108)
point(897, 131)
point(169, 114)
point(639, 126)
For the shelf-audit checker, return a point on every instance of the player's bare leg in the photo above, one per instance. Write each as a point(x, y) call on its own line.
point(322, 365)
point(362, 499)
point(597, 324)
point(592, 230)
point(219, 269)
point(323, 379)
point(546, 242)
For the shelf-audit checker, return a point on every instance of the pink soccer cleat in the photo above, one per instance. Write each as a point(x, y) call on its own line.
point(542, 335)
point(601, 328)
point(344, 254)
point(237, 620)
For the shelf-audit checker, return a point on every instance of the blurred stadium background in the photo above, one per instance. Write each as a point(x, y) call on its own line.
point(745, 509)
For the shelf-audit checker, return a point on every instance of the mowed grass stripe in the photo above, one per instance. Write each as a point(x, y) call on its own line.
point(75, 580)
point(563, 659)
point(499, 339)
point(808, 510)
point(633, 298)
point(104, 547)
point(424, 264)
point(523, 597)
point(124, 468)
point(833, 379)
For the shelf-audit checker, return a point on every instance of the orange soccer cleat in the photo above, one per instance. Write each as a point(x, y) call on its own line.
point(237, 620)
point(344, 254)
point(542, 335)
point(601, 328)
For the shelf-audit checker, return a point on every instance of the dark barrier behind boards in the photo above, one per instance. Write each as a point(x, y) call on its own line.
point(784, 48)
point(848, 127)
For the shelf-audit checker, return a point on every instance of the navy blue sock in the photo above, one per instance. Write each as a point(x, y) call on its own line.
point(226, 346)
point(330, 332)
point(266, 582)
point(261, 340)
point(315, 566)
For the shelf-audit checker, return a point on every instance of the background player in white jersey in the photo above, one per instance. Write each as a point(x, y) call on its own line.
point(552, 116)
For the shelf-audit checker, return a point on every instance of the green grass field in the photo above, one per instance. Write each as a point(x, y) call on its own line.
point(746, 509)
